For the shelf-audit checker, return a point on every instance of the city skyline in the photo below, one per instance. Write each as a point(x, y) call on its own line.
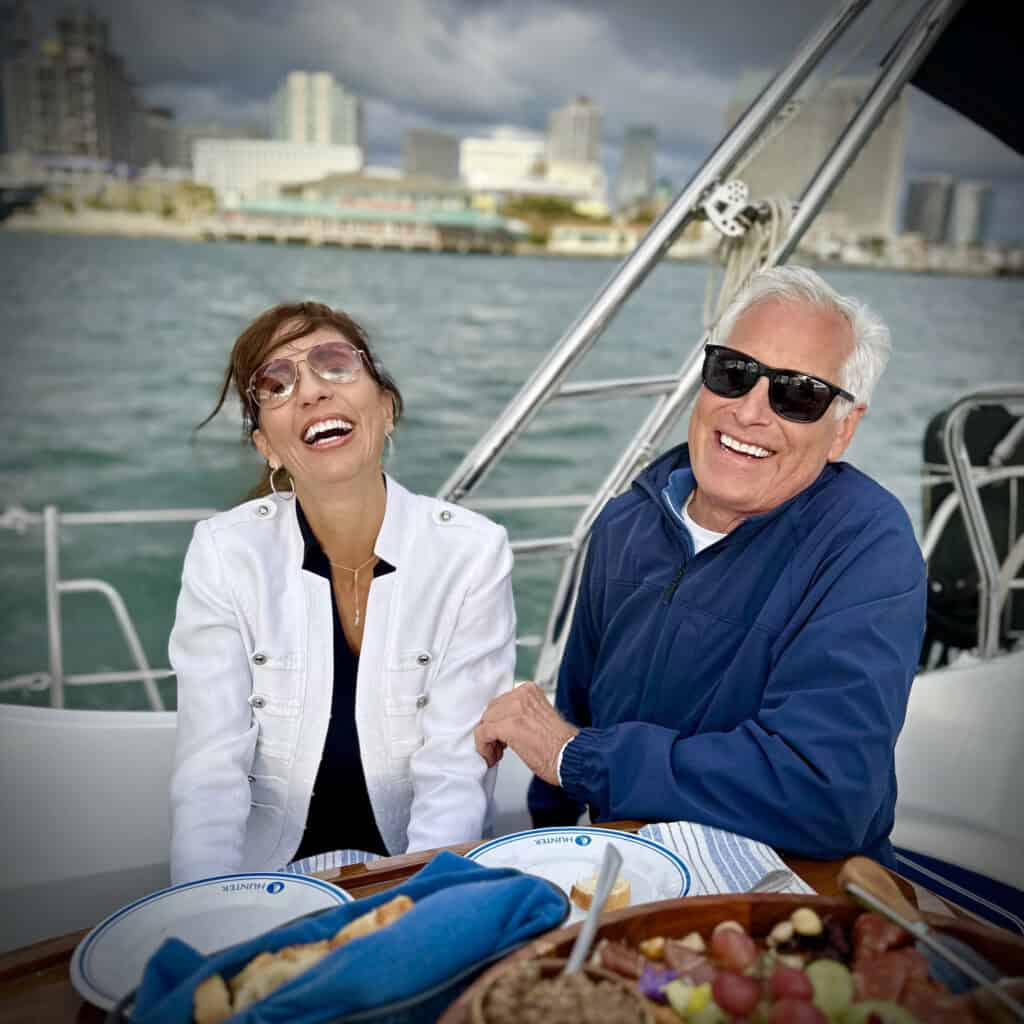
point(467, 69)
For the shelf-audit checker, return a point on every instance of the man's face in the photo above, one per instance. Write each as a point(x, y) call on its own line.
point(733, 485)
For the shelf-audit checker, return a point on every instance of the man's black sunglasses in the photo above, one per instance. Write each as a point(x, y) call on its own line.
point(792, 395)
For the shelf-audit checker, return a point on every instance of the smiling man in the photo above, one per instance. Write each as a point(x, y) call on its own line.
point(751, 612)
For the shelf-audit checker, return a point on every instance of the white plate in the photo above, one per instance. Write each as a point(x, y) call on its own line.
point(209, 915)
point(564, 855)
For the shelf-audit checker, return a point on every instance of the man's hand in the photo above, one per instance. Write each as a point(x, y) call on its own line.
point(525, 721)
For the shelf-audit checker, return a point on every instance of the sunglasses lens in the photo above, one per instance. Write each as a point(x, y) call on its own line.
point(728, 374)
point(799, 398)
point(337, 362)
point(274, 381)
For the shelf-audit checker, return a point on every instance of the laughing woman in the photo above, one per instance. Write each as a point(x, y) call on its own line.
point(338, 637)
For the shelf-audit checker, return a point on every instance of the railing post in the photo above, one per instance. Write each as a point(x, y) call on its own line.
point(51, 550)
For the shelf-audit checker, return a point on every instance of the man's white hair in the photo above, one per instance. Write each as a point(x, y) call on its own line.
point(872, 342)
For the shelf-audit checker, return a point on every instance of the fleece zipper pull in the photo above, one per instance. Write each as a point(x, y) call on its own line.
point(670, 590)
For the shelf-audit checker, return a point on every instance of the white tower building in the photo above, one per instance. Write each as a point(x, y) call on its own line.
point(311, 107)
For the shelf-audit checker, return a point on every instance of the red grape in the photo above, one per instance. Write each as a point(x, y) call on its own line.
point(735, 993)
point(733, 948)
point(791, 983)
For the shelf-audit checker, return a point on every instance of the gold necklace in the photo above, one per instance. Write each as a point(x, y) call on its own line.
point(355, 582)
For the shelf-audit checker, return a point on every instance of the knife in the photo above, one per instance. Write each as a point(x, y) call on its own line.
point(948, 957)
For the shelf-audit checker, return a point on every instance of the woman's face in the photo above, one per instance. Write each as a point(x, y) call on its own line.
point(325, 434)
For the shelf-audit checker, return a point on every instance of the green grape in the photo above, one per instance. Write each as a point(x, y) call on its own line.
point(833, 986)
point(710, 1014)
point(678, 994)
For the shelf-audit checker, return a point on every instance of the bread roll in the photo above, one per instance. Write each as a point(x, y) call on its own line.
point(583, 893)
point(212, 1002)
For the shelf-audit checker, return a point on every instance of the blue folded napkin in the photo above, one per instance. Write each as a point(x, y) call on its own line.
point(462, 914)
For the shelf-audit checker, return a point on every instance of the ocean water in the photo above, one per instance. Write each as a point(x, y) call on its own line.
point(114, 350)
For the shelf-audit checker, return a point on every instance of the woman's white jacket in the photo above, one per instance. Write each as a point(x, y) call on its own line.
point(252, 647)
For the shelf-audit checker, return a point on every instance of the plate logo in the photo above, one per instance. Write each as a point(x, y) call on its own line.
point(583, 840)
point(273, 888)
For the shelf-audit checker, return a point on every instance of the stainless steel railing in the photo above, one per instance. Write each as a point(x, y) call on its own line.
point(993, 584)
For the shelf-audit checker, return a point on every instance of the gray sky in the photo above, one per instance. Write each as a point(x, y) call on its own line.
point(467, 66)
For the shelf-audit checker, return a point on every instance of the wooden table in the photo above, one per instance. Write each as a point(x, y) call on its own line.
point(34, 982)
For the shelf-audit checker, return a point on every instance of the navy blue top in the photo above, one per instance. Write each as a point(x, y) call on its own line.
point(340, 816)
point(757, 687)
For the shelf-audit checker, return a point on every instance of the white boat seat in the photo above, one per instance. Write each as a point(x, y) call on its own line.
point(957, 765)
point(86, 815)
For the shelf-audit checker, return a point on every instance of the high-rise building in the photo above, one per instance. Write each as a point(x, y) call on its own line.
point(574, 133)
point(926, 209)
point(636, 180)
point(969, 213)
point(15, 43)
point(156, 138)
point(430, 154)
point(865, 202)
point(505, 160)
point(73, 97)
point(311, 107)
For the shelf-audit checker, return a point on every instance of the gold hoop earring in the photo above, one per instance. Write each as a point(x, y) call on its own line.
point(291, 483)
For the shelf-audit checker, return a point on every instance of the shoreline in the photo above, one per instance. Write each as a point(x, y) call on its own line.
point(122, 224)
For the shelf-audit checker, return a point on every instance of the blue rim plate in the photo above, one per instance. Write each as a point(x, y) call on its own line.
point(565, 855)
point(208, 914)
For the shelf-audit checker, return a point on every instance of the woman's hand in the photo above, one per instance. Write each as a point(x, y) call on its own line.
point(525, 721)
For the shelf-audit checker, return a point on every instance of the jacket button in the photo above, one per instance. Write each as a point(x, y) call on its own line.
point(251, 778)
point(259, 658)
point(423, 659)
point(257, 701)
point(422, 701)
point(446, 516)
point(263, 509)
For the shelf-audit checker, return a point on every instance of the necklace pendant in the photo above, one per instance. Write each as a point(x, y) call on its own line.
point(357, 615)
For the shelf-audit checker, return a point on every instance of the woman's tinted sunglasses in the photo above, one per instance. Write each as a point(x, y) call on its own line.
point(792, 395)
point(336, 362)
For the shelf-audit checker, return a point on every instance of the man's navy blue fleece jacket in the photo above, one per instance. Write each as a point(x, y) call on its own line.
point(758, 686)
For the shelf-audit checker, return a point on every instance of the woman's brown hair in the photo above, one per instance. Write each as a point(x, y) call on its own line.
point(260, 338)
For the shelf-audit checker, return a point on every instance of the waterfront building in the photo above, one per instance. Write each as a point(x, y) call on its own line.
point(865, 203)
point(73, 96)
point(926, 209)
point(318, 222)
point(583, 182)
point(507, 160)
point(574, 133)
point(388, 193)
point(311, 107)
point(636, 180)
point(188, 134)
point(430, 154)
point(969, 213)
point(237, 169)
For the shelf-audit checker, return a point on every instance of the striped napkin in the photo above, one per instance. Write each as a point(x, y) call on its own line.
point(723, 862)
point(329, 861)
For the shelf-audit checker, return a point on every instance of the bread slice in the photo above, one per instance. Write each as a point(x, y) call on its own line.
point(373, 920)
point(213, 1003)
point(582, 893)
